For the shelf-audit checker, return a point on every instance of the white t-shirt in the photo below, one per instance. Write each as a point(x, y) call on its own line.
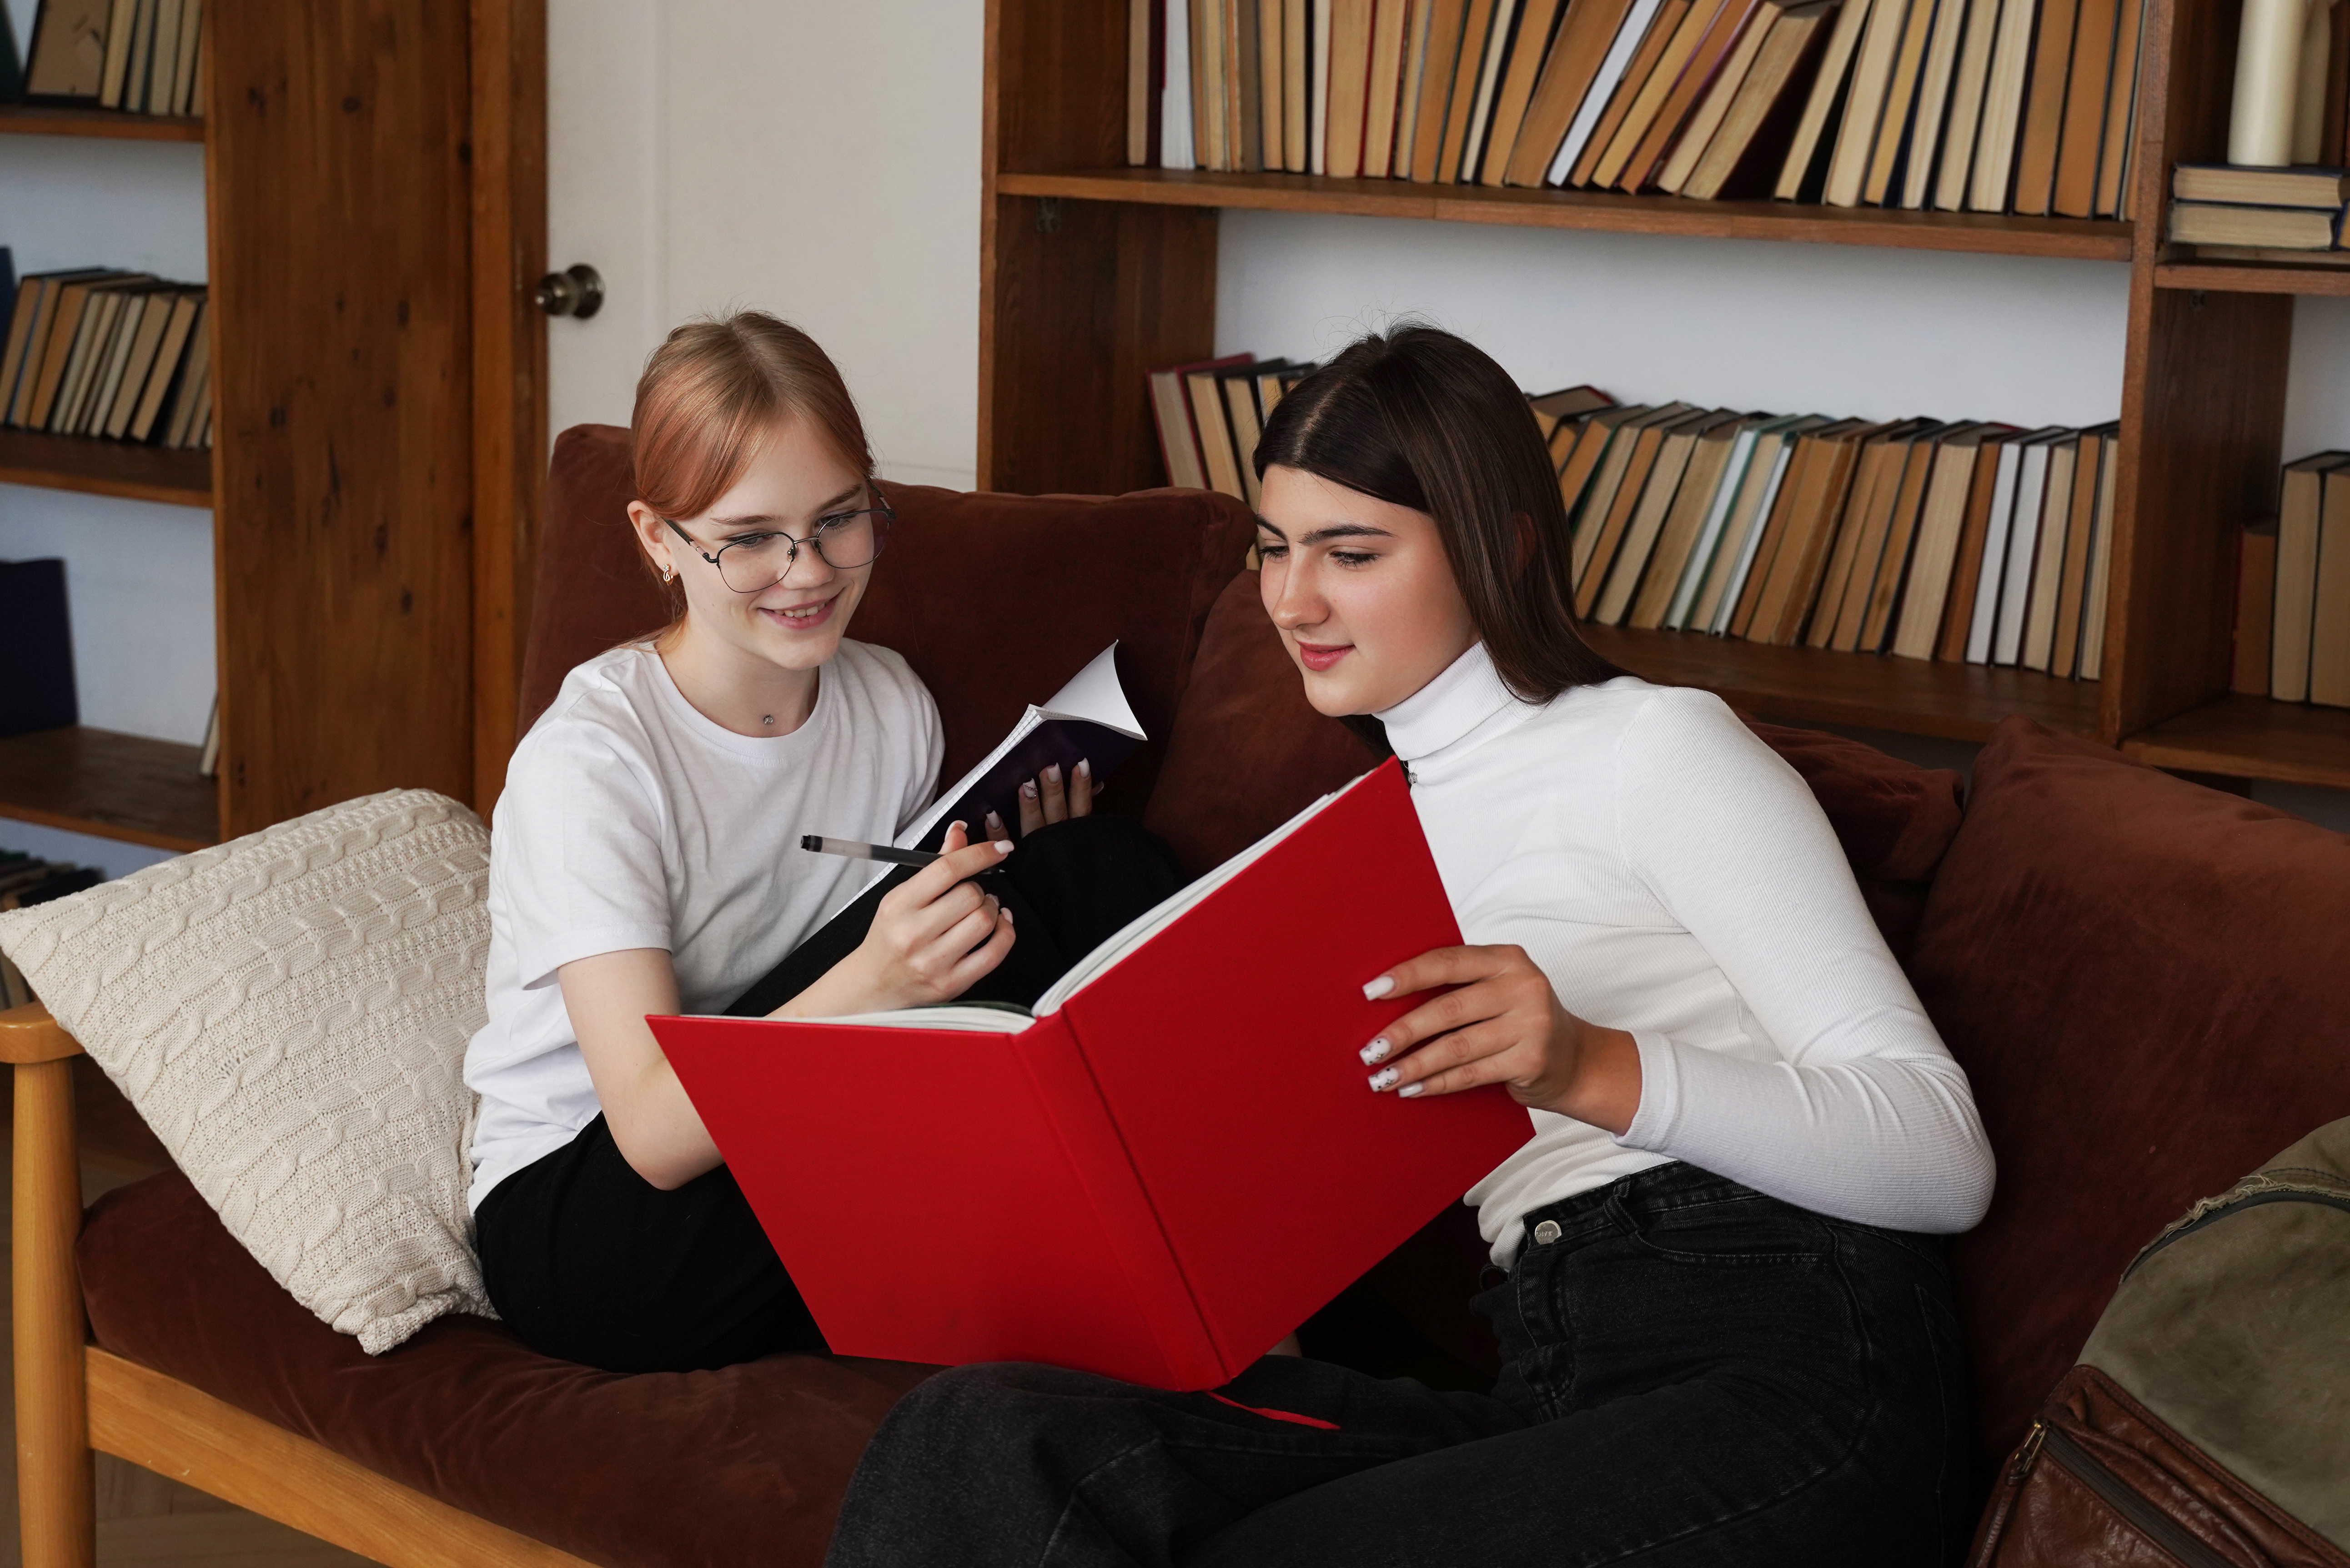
point(1673, 877)
point(629, 820)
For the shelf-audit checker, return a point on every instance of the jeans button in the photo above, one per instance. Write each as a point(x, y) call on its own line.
point(1546, 1232)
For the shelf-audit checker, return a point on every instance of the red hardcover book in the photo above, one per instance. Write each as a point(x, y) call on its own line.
point(1168, 1168)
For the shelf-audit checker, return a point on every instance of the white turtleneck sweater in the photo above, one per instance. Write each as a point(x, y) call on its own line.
point(1674, 878)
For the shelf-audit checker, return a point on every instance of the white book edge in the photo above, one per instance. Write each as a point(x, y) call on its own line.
point(1751, 545)
point(1175, 150)
point(1984, 616)
point(1635, 27)
point(1708, 534)
point(2023, 555)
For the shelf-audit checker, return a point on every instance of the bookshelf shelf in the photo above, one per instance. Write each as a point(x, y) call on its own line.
point(113, 785)
point(2074, 239)
point(36, 119)
point(2252, 737)
point(2253, 277)
point(1952, 700)
point(106, 467)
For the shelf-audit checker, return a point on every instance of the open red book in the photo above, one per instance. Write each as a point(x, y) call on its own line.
point(1165, 1168)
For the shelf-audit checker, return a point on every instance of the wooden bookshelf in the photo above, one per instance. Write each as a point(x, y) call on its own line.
point(106, 467)
point(2252, 737)
point(1955, 700)
point(1093, 273)
point(113, 785)
point(2071, 238)
point(37, 120)
point(2253, 277)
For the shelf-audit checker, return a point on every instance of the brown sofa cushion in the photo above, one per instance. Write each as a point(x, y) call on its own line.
point(956, 593)
point(2146, 981)
point(652, 1470)
point(1248, 753)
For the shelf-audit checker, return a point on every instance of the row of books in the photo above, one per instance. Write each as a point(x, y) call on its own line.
point(2235, 209)
point(26, 880)
point(1208, 415)
point(2292, 589)
point(1921, 538)
point(144, 56)
point(99, 352)
point(2021, 105)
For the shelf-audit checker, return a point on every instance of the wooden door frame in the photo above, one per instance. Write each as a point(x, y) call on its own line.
point(509, 370)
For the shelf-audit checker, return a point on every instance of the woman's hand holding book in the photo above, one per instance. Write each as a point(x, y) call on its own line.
point(1506, 1026)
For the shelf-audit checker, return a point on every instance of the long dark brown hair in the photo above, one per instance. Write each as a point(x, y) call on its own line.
point(1422, 419)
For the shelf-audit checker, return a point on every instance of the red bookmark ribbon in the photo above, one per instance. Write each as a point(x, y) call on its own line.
point(1318, 1426)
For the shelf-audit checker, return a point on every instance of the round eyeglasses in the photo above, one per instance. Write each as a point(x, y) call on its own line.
point(844, 541)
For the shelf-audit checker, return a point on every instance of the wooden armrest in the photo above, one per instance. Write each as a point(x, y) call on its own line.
point(28, 1034)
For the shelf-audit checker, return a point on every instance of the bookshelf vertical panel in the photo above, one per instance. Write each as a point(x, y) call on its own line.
point(1081, 300)
point(340, 280)
point(2204, 416)
point(1056, 85)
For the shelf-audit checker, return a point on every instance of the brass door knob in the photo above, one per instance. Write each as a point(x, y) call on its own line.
point(576, 292)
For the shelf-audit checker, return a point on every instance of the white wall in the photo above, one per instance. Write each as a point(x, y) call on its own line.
point(819, 160)
point(139, 576)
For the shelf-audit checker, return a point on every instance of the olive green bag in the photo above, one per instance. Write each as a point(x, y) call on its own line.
point(2208, 1422)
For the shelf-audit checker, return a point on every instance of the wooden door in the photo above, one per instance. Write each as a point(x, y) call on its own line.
point(375, 464)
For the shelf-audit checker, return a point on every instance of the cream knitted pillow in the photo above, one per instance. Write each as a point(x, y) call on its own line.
point(289, 1013)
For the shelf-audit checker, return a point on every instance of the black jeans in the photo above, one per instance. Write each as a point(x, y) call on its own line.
point(1697, 1377)
point(588, 1261)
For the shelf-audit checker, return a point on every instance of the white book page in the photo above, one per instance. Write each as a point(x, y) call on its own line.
point(969, 1018)
point(1175, 99)
point(1151, 923)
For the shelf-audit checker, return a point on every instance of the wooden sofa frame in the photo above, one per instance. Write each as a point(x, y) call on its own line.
point(74, 1398)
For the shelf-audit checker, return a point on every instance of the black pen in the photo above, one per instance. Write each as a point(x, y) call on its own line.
point(853, 850)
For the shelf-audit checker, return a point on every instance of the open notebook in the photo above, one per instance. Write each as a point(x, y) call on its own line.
point(1165, 1168)
point(1089, 718)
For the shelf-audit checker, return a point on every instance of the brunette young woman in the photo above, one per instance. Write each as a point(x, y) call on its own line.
point(1720, 1292)
point(645, 859)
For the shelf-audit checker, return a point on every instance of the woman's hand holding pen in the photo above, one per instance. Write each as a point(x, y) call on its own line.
point(932, 938)
point(1504, 1025)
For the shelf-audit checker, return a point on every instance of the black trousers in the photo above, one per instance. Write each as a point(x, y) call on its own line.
point(1697, 1377)
point(588, 1261)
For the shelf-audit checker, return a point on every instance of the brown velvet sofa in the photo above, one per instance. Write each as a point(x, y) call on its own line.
point(2146, 980)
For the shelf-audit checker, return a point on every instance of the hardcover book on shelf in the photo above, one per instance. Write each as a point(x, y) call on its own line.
point(1893, 126)
point(1500, 35)
point(2256, 564)
point(1993, 171)
point(1876, 481)
point(1383, 94)
point(1296, 84)
point(1803, 173)
point(1317, 131)
point(1418, 35)
point(1178, 437)
point(1212, 425)
point(1660, 488)
point(1447, 22)
point(2275, 228)
point(1950, 542)
point(1864, 109)
point(1990, 578)
point(1744, 156)
point(1537, 28)
point(2043, 113)
point(1176, 145)
point(2329, 635)
point(1934, 77)
point(2091, 665)
point(1743, 536)
point(1585, 31)
point(2090, 478)
point(66, 57)
point(1118, 1210)
point(2292, 623)
point(1146, 67)
point(1969, 82)
point(2081, 143)
point(1273, 75)
point(1889, 569)
point(1715, 47)
point(1350, 65)
point(1625, 55)
point(1628, 480)
point(36, 647)
point(2303, 187)
point(2022, 575)
point(1551, 409)
point(186, 329)
point(2114, 159)
point(1660, 581)
point(1578, 472)
point(1800, 560)
point(1708, 540)
point(1644, 97)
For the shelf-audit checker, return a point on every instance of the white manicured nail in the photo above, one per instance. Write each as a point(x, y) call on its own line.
point(1003, 846)
point(1375, 1053)
point(1382, 986)
point(1409, 1091)
point(1384, 1079)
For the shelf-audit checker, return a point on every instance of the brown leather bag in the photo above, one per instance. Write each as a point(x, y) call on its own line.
point(2208, 1423)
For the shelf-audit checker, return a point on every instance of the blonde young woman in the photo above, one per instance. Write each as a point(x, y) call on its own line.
point(1721, 1300)
point(645, 860)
